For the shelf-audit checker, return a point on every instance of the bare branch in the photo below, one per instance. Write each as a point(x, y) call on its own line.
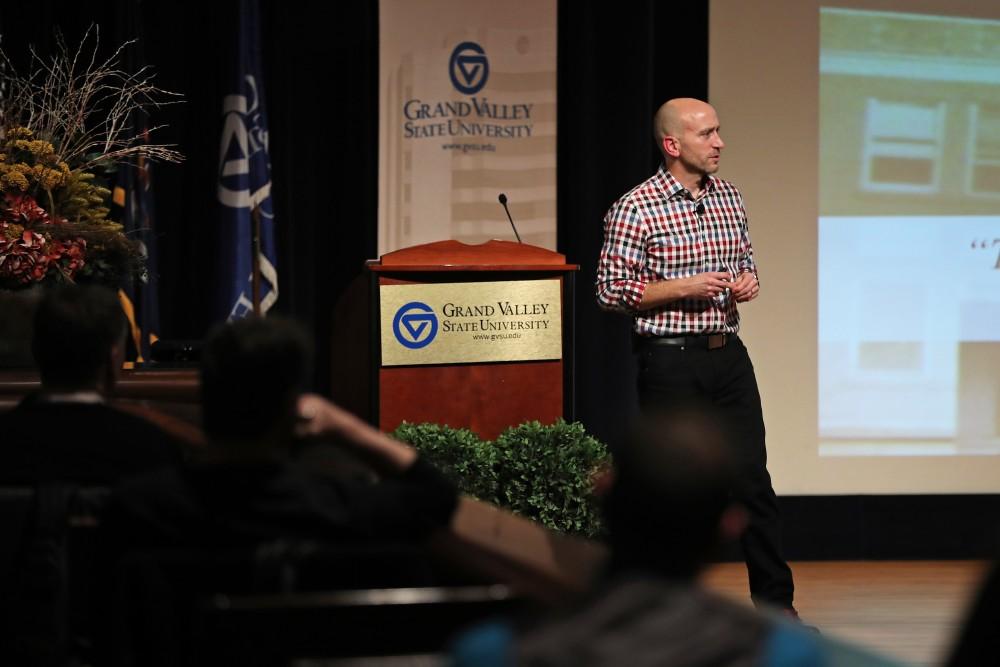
point(84, 106)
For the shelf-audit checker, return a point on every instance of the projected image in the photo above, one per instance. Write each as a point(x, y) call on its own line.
point(909, 234)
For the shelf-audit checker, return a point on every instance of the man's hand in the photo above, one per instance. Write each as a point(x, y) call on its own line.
point(745, 288)
point(320, 417)
point(707, 285)
point(701, 286)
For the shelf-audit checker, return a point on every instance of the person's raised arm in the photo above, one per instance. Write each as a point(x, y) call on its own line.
point(319, 417)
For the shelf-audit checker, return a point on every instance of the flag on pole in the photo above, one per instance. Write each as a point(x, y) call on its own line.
point(244, 188)
point(132, 198)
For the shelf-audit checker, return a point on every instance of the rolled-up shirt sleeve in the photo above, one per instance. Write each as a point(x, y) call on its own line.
point(746, 262)
point(619, 284)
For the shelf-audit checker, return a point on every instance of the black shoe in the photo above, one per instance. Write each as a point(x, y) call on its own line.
point(793, 616)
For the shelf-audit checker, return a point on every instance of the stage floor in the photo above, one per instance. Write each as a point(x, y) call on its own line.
point(905, 609)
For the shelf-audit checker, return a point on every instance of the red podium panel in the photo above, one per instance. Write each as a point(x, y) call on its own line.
point(485, 397)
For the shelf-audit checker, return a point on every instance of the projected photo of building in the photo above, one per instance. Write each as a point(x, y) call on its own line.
point(909, 234)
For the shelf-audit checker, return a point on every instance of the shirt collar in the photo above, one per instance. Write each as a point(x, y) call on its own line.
point(673, 188)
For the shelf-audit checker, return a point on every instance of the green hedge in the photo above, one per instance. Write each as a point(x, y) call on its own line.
point(541, 472)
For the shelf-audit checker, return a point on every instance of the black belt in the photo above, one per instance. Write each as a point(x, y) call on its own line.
point(702, 341)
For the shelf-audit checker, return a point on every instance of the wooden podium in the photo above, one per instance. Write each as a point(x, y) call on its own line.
point(426, 361)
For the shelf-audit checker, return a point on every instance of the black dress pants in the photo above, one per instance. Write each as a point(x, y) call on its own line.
point(724, 378)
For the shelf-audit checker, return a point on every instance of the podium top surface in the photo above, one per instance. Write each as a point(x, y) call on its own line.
point(457, 256)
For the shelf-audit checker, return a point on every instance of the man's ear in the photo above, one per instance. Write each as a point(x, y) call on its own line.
point(671, 146)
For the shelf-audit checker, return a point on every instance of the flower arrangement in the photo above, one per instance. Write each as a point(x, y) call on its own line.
point(64, 128)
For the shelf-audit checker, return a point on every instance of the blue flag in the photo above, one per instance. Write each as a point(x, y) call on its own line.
point(245, 179)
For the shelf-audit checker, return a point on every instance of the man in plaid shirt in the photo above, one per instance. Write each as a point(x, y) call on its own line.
point(677, 258)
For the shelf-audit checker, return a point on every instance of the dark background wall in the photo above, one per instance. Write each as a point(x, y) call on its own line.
point(617, 63)
point(615, 70)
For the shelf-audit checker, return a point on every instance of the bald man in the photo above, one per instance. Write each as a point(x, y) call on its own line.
point(677, 258)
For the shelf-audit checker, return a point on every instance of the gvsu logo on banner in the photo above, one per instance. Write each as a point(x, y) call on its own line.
point(469, 69)
point(245, 183)
point(415, 325)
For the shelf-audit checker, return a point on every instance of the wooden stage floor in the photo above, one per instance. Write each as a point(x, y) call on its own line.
point(905, 609)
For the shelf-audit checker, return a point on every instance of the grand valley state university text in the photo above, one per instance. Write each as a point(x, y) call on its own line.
point(455, 119)
point(503, 308)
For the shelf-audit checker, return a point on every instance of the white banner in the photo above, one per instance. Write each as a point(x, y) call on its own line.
point(467, 111)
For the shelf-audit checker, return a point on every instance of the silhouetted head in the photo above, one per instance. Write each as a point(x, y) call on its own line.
point(252, 372)
point(79, 338)
point(673, 480)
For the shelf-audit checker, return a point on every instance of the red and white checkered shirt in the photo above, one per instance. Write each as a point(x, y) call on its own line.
point(654, 232)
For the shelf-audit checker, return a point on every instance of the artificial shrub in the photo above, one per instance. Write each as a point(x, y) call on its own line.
point(458, 453)
point(541, 472)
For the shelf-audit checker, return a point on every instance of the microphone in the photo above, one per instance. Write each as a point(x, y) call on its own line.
point(700, 209)
point(503, 200)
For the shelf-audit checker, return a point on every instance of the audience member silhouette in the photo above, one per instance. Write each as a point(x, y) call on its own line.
point(245, 497)
point(668, 508)
point(66, 431)
point(59, 438)
point(245, 486)
point(978, 641)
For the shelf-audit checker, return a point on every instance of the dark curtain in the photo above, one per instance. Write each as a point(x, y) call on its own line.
point(617, 63)
point(323, 69)
point(321, 82)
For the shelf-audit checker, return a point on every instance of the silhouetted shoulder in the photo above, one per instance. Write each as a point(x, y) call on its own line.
point(80, 442)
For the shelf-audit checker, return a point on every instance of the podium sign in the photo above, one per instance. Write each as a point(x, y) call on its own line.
point(470, 322)
point(474, 336)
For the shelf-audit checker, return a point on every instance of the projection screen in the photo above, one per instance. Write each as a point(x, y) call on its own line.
point(865, 137)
